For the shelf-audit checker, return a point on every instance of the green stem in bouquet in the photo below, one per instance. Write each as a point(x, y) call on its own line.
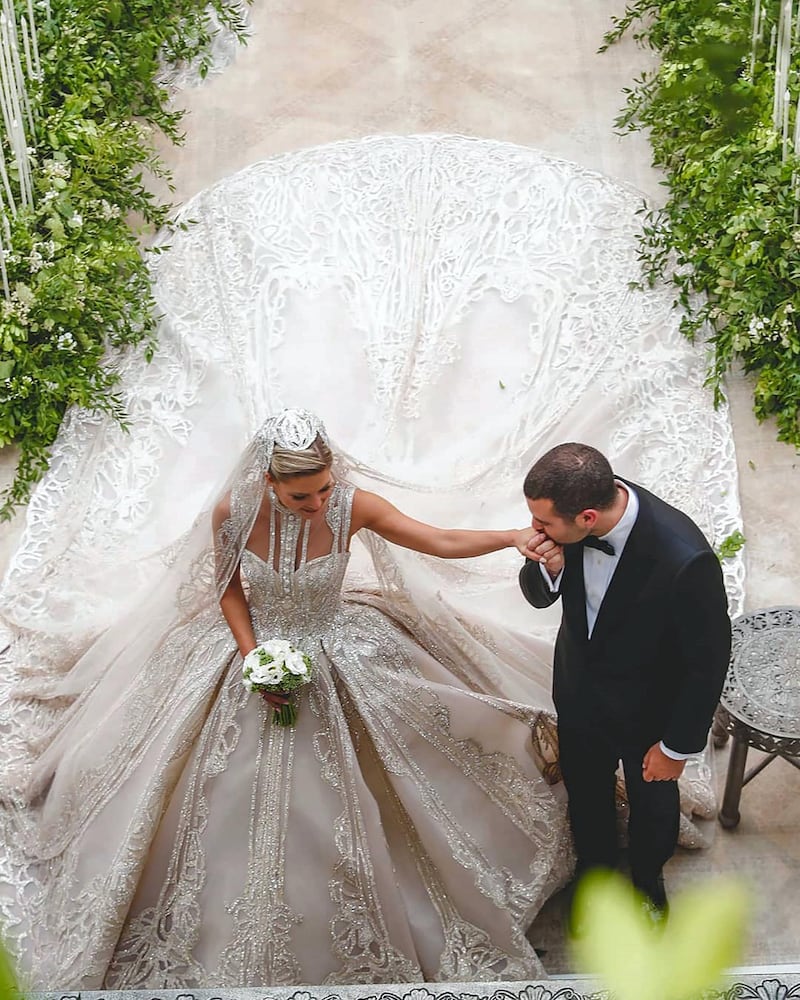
point(285, 715)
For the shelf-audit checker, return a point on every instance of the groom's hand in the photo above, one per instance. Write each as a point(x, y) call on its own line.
point(544, 550)
point(657, 766)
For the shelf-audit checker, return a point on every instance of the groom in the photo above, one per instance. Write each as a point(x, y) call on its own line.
point(641, 655)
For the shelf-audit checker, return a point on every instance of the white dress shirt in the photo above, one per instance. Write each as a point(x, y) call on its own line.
point(599, 568)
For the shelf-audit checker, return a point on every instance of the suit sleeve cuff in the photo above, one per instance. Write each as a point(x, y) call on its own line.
point(673, 754)
point(552, 585)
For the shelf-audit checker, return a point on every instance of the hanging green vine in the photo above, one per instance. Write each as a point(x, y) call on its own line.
point(77, 276)
point(728, 235)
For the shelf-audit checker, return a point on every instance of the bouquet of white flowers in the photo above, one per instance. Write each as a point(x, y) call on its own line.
point(276, 667)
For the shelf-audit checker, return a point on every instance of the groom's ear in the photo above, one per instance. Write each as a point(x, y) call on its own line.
point(587, 519)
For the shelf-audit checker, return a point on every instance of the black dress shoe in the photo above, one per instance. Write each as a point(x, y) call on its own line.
point(655, 896)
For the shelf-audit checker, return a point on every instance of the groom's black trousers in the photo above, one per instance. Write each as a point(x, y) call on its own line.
point(589, 759)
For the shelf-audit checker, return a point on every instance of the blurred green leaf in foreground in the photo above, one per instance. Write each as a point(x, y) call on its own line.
point(9, 986)
point(678, 959)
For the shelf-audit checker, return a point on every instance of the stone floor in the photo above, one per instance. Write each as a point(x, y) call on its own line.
point(525, 71)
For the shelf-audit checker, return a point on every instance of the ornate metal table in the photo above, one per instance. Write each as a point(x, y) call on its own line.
point(760, 703)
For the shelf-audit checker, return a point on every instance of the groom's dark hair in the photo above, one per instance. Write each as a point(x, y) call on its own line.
point(573, 477)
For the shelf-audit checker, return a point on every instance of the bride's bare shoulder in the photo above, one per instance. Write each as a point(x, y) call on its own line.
point(222, 509)
point(366, 506)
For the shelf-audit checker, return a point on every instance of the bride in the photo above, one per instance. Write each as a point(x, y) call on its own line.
point(401, 831)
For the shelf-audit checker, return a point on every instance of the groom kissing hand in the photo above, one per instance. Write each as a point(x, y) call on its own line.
point(641, 654)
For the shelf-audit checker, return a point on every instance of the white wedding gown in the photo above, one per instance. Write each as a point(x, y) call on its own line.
point(451, 308)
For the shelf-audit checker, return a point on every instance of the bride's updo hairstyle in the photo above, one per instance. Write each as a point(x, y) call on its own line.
point(288, 464)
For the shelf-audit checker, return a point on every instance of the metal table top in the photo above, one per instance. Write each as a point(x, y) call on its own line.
point(762, 688)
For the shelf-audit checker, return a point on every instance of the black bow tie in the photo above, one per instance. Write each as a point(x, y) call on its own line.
point(593, 542)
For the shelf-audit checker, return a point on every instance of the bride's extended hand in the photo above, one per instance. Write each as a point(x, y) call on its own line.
point(542, 549)
point(523, 539)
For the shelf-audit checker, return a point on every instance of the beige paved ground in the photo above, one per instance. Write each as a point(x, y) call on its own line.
point(524, 71)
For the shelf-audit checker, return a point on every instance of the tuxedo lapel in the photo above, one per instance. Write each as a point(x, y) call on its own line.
point(573, 597)
point(631, 575)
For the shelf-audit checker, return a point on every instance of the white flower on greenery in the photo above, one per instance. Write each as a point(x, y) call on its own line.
point(253, 658)
point(275, 664)
point(296, 664)
point(278, 649)
point(755, 331)
point(260, 667)
point(65, 341)
point(49, 196)
point(35, 260)
point(266, 673)
point(75, 220)
point(23, 294)
point(108, 211)
point(57, 168)
point(22, 299)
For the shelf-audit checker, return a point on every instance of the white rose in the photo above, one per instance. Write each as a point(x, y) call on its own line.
point(278, 649)
point(253, 658)
point(295, 664)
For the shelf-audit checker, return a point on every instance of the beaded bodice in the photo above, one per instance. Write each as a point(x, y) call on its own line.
point(292, 597)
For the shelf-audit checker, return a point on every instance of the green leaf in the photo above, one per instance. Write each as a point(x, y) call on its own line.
point(9, 986)
point(617, 942)
point(704, 936)
point(641, 960)
point(734, 542)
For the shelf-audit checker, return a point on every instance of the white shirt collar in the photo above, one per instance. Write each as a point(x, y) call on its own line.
point(618, 535)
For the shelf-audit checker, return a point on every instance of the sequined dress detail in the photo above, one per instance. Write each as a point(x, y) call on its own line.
point(400, 832)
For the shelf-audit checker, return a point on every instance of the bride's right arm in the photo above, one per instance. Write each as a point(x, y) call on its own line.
point(233, 602)
point(237, 614)
point(373, 512)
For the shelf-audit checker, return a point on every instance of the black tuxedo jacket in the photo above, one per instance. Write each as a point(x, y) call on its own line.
point(656, 662)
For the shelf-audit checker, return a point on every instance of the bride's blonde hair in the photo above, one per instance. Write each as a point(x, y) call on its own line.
point(288, 464)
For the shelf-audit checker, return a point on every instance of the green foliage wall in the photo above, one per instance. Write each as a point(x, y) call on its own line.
point(728, 235)
point(77, 274)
